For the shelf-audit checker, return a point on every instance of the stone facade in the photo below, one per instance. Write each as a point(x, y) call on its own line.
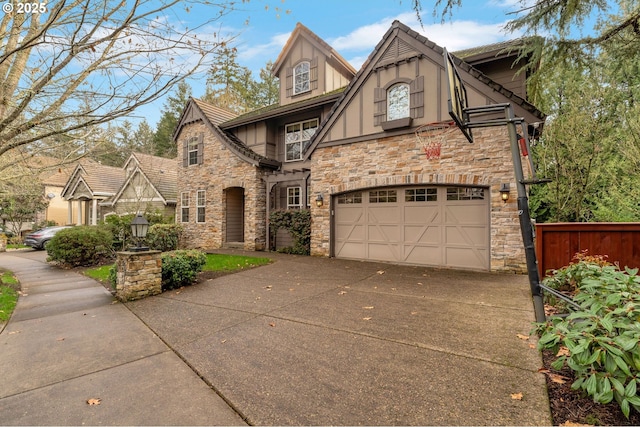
point(139, 275)
point(399, 160)
point(219, 171)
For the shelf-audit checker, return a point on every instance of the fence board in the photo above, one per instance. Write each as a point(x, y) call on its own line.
point(557, 243)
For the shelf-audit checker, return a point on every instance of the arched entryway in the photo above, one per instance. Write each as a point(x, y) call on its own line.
point(234, 215)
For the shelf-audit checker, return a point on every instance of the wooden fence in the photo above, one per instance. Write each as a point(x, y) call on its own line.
point(557, 243)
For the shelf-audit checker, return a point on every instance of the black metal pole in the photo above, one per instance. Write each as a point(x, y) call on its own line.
point(526, 227)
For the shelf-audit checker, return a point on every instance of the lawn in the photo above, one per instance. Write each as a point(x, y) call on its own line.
point(215, 263)
point(8, 295)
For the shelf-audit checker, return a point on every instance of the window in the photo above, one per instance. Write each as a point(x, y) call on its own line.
point(301, 78)
point(350, 198)
point(421, 195)
point(383, 196)
point(398, 101)
point(200, 205)
point(297, 138)
point(465, 193)
point(192, 152)
point(184, 203)
point(293, 198)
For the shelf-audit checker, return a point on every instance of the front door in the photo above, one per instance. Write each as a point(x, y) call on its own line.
point(235, 215)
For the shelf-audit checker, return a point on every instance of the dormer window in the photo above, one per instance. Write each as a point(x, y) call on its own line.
point(398, 101)
point(301, 78)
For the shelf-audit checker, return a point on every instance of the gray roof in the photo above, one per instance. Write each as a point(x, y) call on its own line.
point(161, 172)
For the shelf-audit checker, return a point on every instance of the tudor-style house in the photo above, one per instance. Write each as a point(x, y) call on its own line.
point(143, 183)
point(348, 140)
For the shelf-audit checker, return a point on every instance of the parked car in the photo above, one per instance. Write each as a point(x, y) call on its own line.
point(39, 239)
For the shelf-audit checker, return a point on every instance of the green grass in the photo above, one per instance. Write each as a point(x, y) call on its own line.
point(8, 295)
point(223, 262)
point(215, 262)
point(17, 246)
point(99, 273)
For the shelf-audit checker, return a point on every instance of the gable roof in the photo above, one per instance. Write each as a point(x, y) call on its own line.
point(198, 110)
point(424, 46)
point(101, 180)
point(159, 172)
point(302, 31)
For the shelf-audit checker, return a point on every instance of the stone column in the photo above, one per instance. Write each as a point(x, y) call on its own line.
point(79, 213)
point(94, 212)
point(3, 243)
point(139, 275)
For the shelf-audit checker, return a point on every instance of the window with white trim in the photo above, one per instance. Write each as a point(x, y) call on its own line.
point(398, 101)
point(301, 78)
point(200, 205)
point(297, 138)
point(192, 151)
point(184, 206)
point(293, 197)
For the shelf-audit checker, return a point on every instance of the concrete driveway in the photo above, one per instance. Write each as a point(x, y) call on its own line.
point(308, 341)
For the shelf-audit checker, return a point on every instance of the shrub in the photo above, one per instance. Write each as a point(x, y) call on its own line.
point(298, 223)
point(164, 237)
point(80, 246)
point(180, 268)
point(120, 227)
point(599, 341)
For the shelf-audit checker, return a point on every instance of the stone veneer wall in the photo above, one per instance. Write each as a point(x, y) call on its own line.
point(399, 160)
point(139, 275)
point(220, 170)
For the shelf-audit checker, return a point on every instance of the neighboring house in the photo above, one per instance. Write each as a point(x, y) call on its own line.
point(348, 140)
point(53, 183)
point(145, 182)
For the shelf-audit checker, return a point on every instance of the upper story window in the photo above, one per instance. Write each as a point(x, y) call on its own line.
point(192, 151)
point(398, 101)
point(297, 138)
point(301, 78)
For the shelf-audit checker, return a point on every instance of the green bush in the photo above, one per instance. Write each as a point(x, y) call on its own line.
point(80, 246)
point(180, 268)
point(164, 237)
point(120, 227)
point(298, 223)
point(599, 340)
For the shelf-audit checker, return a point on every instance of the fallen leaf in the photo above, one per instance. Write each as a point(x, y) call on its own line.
point(94, 401)
point(380, 271)
point(419, 283)
point(342, 292)
point(414, 313)
point(272, 324)
point(14, 332)
point(268, 287)
point(559, 379)
point(366, 318)
point(523, 337)
point(60, 339)
point(563, 351)
point(532, 346)
point(223, 341)
point(369, 307)
point(516, 396)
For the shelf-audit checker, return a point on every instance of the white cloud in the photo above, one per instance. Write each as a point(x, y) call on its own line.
point(270, 50)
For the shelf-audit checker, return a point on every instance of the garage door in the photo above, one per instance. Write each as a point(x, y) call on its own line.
point(435, 226)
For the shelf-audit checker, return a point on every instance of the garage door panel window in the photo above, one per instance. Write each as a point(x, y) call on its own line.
point(350, 199)
point(421, 195)
point(465, 193)
point(383, 196)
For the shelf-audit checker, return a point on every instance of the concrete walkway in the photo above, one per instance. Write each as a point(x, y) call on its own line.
point(303, 341)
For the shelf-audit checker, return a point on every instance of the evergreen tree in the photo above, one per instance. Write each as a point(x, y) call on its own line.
point(163, 137)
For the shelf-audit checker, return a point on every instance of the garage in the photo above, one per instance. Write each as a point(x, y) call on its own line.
point(443, 226)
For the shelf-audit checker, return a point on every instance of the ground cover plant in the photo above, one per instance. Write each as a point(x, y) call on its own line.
point(8, 295)
point(592, 351)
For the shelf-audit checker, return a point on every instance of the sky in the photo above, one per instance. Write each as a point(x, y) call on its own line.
point(352, 27)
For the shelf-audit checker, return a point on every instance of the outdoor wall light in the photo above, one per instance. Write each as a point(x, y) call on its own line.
point(319, 200)
point(505, 188)
point(139, 228)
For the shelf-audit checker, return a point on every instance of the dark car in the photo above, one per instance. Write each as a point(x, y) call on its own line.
point(39, 239)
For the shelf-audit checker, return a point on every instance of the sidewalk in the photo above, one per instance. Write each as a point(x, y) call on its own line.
point(302, 341)
point(69, 341)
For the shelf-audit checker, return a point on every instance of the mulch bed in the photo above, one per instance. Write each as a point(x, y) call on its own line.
point(569, 407)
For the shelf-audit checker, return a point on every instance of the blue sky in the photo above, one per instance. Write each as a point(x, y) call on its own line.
point(351, 27)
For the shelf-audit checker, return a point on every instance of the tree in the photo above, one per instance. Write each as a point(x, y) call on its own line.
point(82, 63)
point(163, 137)
point(229, 84)
point(267, 89)
point(20, 204)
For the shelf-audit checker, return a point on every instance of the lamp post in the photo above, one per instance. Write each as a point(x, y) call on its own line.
point(139, 228)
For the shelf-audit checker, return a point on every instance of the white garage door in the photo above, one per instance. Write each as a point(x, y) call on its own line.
point(436, 226)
